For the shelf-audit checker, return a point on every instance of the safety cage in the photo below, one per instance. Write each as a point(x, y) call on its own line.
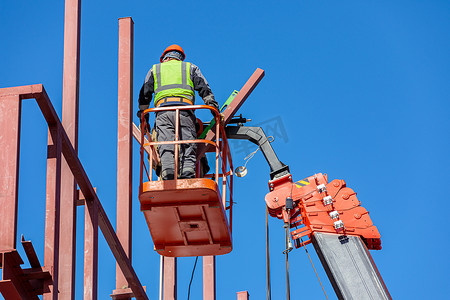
point(187, 217)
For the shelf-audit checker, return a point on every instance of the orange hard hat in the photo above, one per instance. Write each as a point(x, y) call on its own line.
point(172, 48)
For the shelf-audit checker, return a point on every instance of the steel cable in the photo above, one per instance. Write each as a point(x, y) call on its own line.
point(268, 287)
point(192, 277)
point(314, 269)
point(288, 288)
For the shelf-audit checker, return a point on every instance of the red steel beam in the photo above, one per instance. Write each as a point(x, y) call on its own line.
point(10, 108)
point(8, 290)
point(232, 109)
point(209, 278)
point(38, 92)
point(169, 278)
point(52, 211)
point(90, 251)
point(124, 142)
point(242, 295)
point(71, 71)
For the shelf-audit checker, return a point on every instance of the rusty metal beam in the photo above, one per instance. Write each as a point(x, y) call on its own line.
point(71, 71)
point(232, 109)
point(124, 142)
point(10, 109)
point(38, 92)
point(209, 278)
point(169, 278)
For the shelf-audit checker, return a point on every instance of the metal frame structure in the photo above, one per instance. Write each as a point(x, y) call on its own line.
point(55, 279)
point(60, 146)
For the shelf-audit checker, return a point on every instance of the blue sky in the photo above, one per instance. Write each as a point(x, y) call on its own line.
point(358, 89)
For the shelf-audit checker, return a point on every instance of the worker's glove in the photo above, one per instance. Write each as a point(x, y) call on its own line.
point(147, 119)
point(213, 103)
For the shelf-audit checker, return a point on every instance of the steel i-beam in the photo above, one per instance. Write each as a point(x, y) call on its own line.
point(209, 278)
point(52, 210)
point(10, 106)
point(71, 67)
point(124, 142)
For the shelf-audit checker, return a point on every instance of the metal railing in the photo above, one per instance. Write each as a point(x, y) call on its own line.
point(223, 173)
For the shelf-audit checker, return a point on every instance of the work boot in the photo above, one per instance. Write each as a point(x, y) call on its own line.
point(167, 174)
point(187, 173)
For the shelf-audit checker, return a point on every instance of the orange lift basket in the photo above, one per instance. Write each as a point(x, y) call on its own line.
point(188, 217)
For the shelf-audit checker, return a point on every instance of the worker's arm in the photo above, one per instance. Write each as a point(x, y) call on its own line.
point(145, 95)
point(202, 87)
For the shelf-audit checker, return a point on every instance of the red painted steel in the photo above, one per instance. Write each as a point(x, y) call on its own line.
point(18, 283)
point(192, 209)
point(8, 290)
point(38, 92)
point(52, 211)
point(209, 278)
point(124, 142)
point(242, 295)
point(90, 283)
point(71, 70)
point(30, 253)
point(170, 278)
point(231, 110)
point(10, 106)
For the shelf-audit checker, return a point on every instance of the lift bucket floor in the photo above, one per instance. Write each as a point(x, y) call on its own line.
point(186, 217)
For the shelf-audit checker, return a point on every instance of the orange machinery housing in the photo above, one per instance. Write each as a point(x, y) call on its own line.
point(320, 206)
point(188, 217)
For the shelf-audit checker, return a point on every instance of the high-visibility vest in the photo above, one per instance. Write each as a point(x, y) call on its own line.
point(173, 79)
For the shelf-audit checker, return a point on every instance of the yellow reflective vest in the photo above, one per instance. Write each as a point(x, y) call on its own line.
point(173, 79)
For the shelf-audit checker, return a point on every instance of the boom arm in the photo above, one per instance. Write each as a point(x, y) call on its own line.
point(257, 136)
point(327, 214)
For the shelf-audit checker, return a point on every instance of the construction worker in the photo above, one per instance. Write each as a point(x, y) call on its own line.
point(173, 82)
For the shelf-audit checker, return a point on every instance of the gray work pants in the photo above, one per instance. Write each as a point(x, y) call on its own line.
point(165, 129)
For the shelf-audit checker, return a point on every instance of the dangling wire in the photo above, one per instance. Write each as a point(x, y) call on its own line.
point(268, 287)
point(250, 156)
point(192, 277)
point(286, 252)
point(314, 268)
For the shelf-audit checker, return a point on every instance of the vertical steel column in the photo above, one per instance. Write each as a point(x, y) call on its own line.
point(242, 295)
point(90, 250)
point(52, 211)
point(209, 278)
point(124, 142)
point(70, 122)
point(170, 278)
point(10, 109)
